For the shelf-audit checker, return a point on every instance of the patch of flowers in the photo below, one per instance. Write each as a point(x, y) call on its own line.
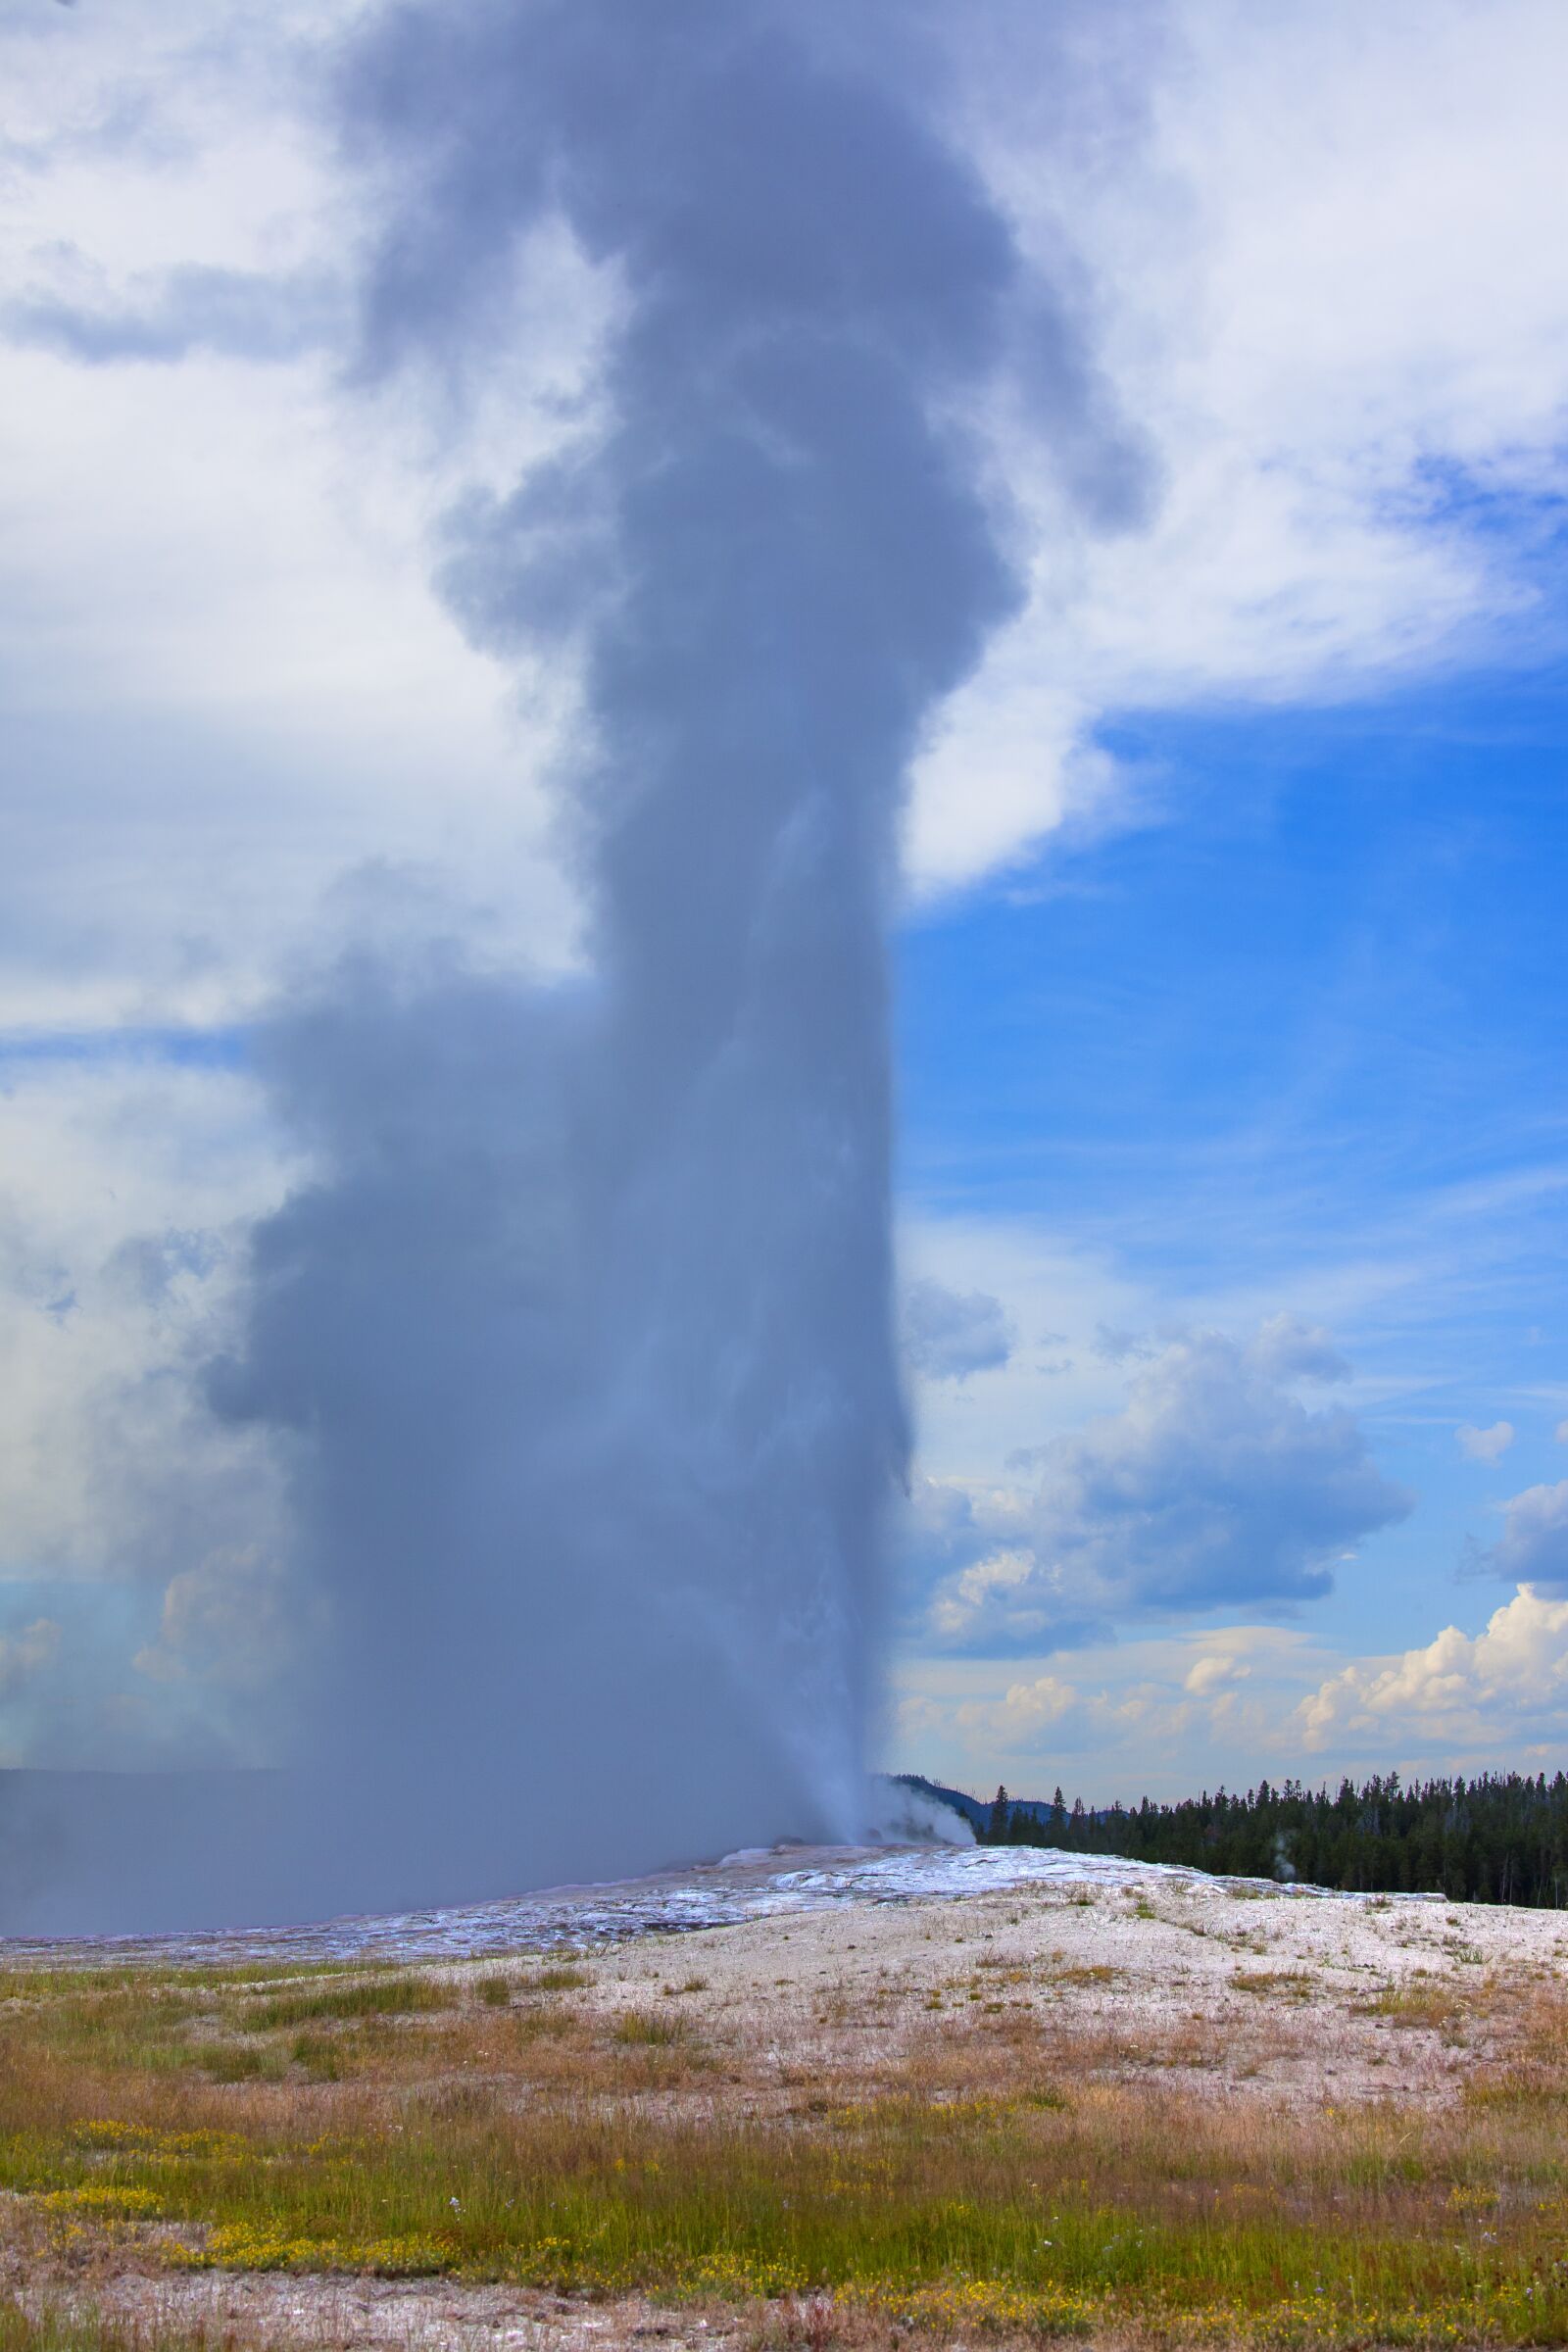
point(106, 2138)
point(247, 2246)
point(102, 2200)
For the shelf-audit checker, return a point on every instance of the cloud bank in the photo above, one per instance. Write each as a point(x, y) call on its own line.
point(1215, 1486)
point(1458, 1690)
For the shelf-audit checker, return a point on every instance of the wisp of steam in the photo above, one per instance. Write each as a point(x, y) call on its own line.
point(577, 1341)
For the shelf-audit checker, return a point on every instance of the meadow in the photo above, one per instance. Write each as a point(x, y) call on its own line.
point(1147, 2116)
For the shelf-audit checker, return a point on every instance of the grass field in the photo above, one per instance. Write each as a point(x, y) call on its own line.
point(1008, 2142)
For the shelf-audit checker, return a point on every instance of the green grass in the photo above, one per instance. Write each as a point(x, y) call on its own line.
point(61, 2327)
point(640, 2030)
point(381, 2121)
point(371, 1997)
point(564, 1978)
point(896, 2198)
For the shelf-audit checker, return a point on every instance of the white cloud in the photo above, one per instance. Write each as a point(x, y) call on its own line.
point(227, 673)
point(1214, 1484)
point(1484, 1444)
point(1161, 1715)
point(950, 1334)
point(1168, 1714)
point(1001, 1581)
point(1503, 1685)
point(1303, 251)
point(1212, 1671)
point(1308, 241)
point(1166, 1717)
point(1533, 1549)
point(1055, 1291)
point(24, 1655)
point(1561, 1433)
point(1029, 1715)
point(125, 1189)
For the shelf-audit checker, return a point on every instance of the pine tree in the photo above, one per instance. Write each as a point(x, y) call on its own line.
point(1499, 1838)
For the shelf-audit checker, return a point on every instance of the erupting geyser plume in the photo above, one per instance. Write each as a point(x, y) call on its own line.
point(579, 1343)
point(586, 1329)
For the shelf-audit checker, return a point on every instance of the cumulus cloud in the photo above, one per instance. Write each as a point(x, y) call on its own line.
point(237, 674)
point(1042, 1712)
point(1458, 1687)
point(1050, 1715)
point(1533, 1549)
point(24, 1655)
point(1484, 1444)
point(1215, 1484)
point(1212, 1671)
point(1154, 1712)
point(950, 1334)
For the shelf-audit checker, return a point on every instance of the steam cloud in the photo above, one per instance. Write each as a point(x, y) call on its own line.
point(579, 1343)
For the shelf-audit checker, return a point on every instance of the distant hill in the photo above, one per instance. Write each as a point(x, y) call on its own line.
point(976, 1810)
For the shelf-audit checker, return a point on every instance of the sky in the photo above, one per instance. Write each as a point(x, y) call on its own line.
point(1230, 1151)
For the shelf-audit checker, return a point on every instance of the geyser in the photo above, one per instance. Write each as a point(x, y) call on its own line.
point(577, 1341)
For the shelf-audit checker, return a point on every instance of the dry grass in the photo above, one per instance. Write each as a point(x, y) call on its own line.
point(83, 2326)
point(1043, 2154)
point(1278, 1983)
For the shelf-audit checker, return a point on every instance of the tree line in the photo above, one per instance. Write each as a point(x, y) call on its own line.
point(1499, 1839)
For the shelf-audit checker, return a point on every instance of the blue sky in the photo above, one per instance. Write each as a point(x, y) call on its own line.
point(1310, 1001)
point(1293, 1042)
point(1230, 1034)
